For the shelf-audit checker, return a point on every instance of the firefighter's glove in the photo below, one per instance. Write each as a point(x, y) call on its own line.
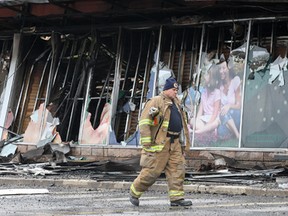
point(153, 112)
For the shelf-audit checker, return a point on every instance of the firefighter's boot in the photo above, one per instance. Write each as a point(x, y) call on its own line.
point(134, 200)
point(181, 202)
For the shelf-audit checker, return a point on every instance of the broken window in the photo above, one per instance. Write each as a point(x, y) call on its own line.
point(265, 100)
point(90, 88)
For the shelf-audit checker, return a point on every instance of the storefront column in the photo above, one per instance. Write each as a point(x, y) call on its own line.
point(116, 85)
point(10, 81)
point(244, 78)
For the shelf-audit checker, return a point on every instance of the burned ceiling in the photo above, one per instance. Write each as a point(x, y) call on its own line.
point(63, 15)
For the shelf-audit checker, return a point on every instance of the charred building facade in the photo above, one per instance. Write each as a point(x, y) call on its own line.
point(79, 72)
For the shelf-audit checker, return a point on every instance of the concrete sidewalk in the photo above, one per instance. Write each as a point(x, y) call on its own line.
point(121, 185)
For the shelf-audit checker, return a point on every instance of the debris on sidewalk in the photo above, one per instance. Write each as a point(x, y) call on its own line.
point(52, 159)
point(60, 168)
point(240, 177)
point(22, 191)
point(7, 150)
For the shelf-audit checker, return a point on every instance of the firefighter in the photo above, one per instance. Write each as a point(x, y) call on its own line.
point(163, 135)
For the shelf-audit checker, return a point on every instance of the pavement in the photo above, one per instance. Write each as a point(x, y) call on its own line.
point(228, 189)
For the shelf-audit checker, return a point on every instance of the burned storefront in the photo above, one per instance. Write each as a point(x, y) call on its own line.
point(79, 75)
